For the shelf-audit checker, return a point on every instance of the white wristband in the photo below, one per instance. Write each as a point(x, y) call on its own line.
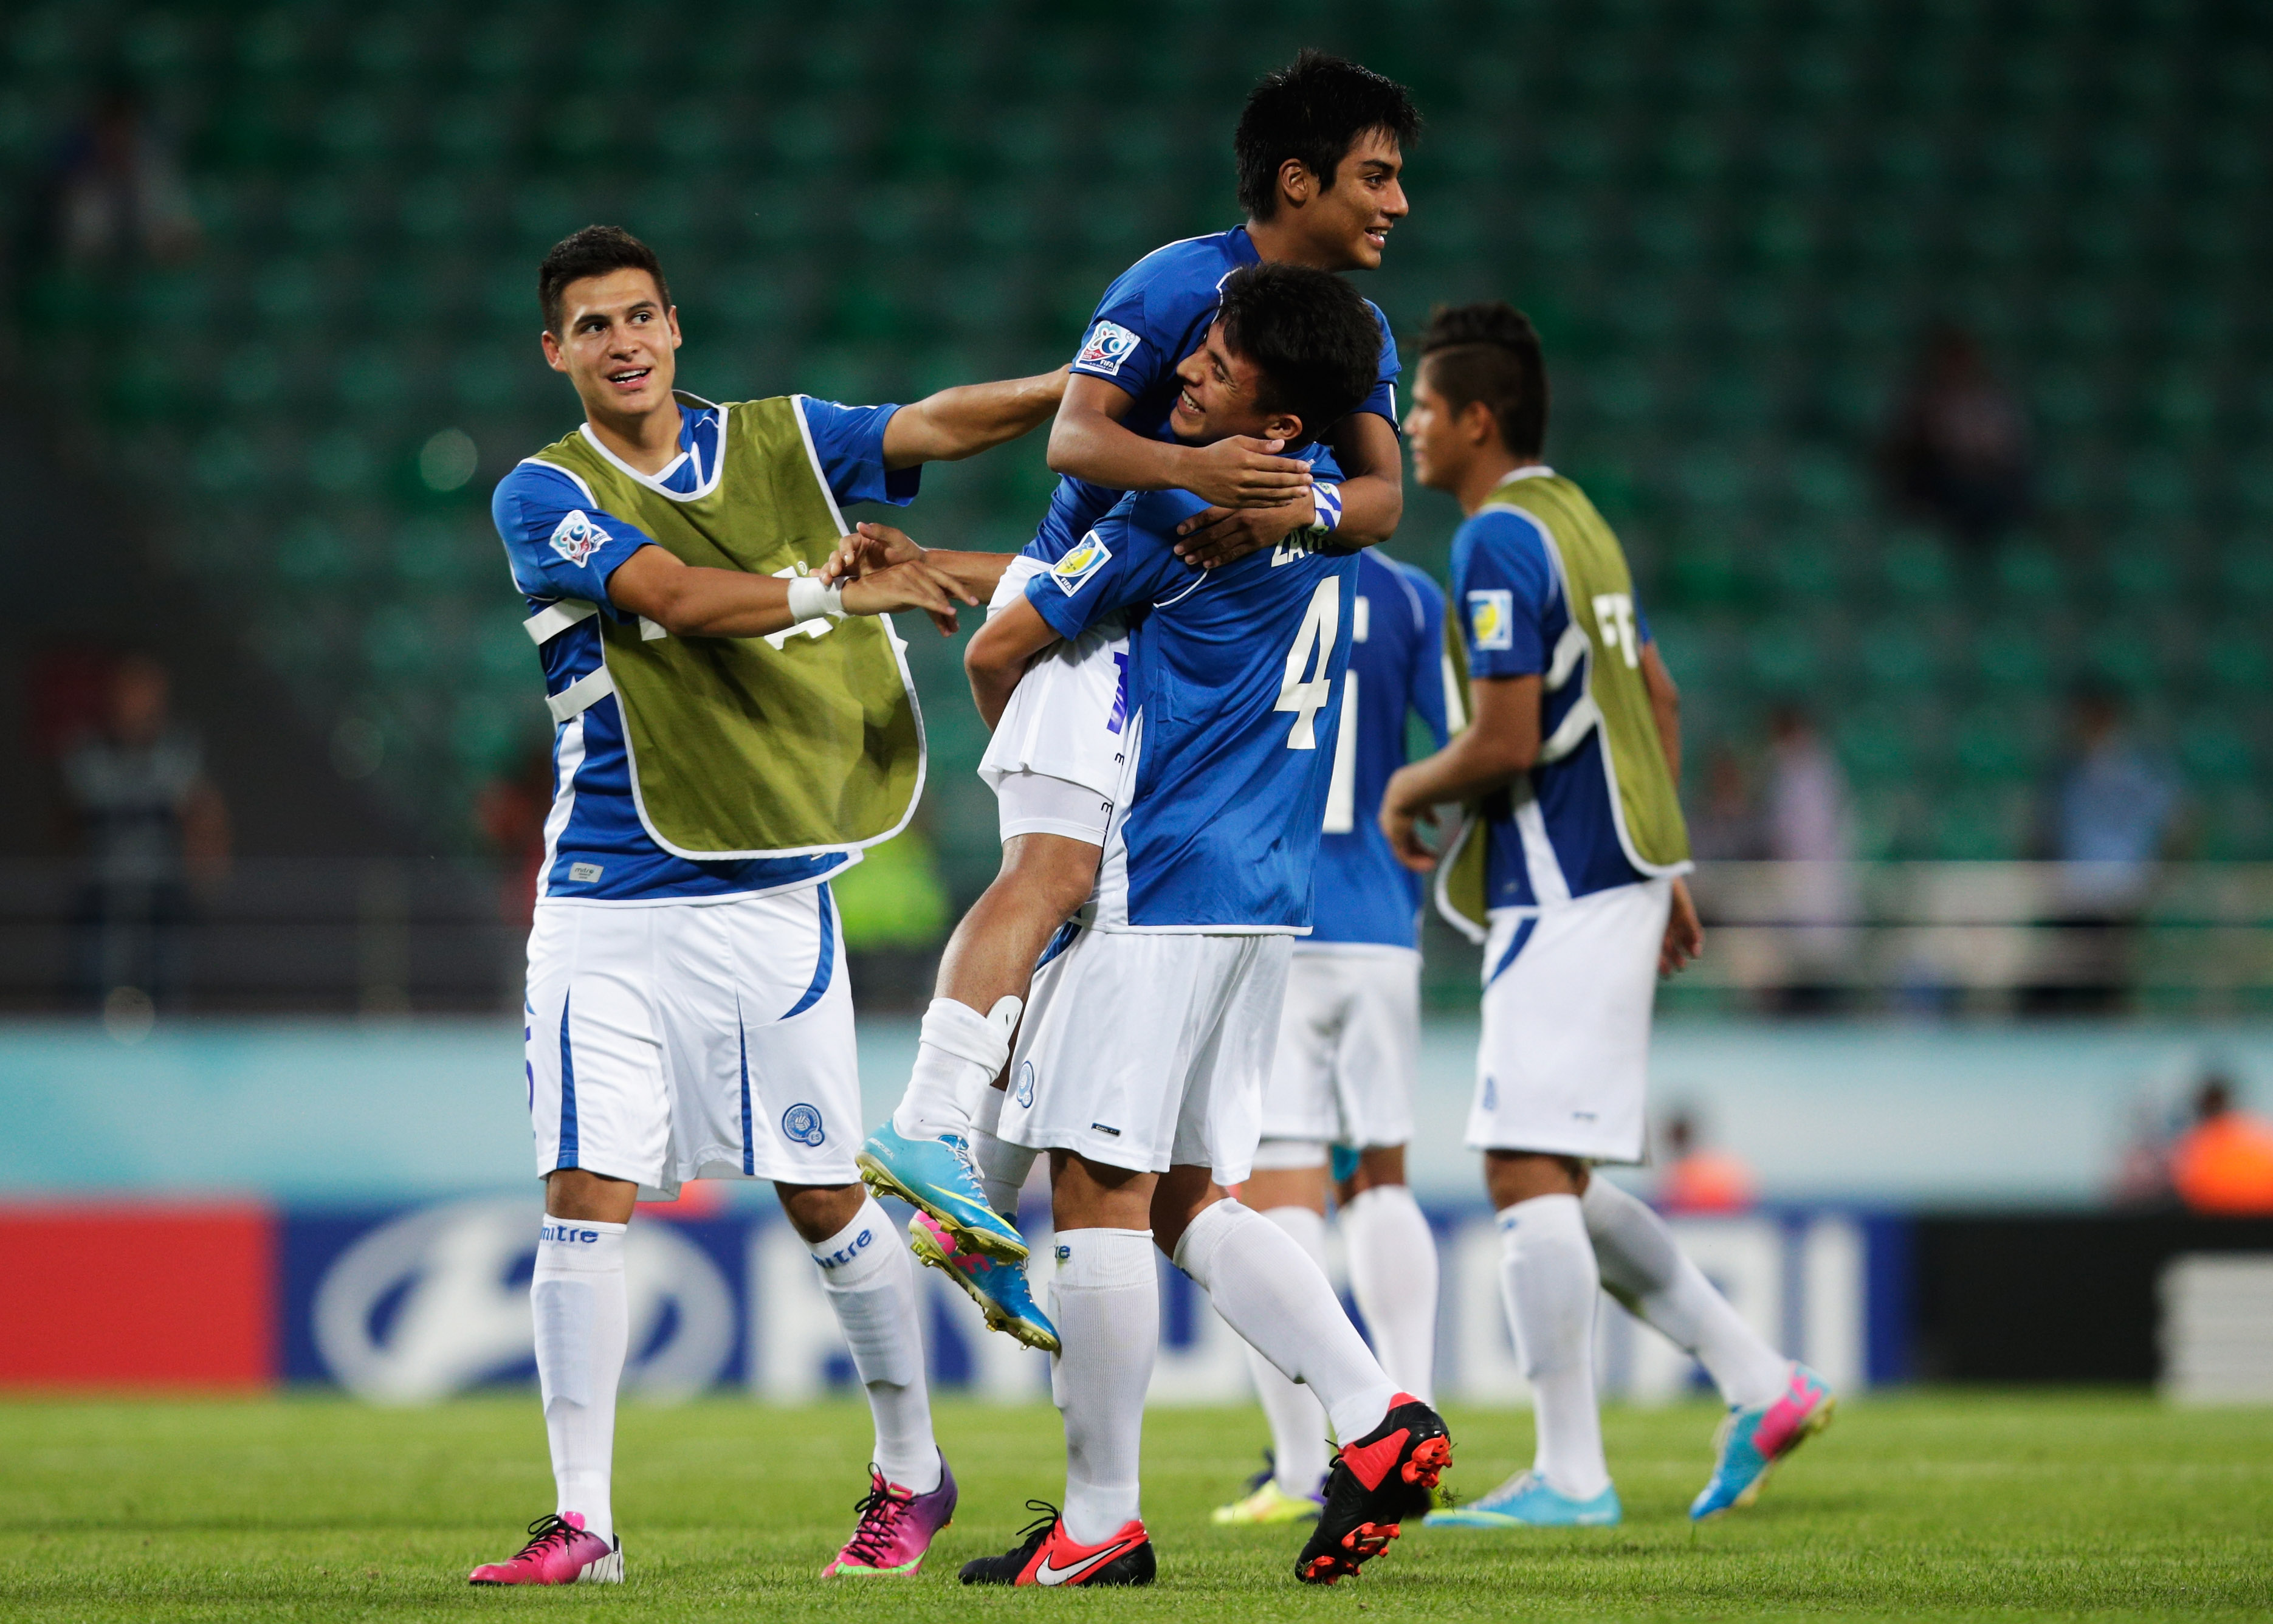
point(1326, 498)
point(809, 600)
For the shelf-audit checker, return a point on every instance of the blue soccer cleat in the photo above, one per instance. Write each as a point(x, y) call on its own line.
point(1751, 1441)
point(937, 1176)
point(999, 1288)
point(1528, 1500)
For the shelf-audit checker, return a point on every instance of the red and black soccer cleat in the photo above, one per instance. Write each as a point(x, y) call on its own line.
point(1372, 1488)
point(1044, 1555)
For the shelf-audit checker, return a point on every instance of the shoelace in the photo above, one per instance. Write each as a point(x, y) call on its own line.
point(880, 1511)
point(547, 1531)
point(1038, 1530)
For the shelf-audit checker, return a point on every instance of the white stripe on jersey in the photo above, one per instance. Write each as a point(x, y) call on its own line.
point(567, 756)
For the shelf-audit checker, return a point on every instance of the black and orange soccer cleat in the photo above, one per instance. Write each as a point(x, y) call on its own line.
point(1373, 1488)
point(1045, 1556)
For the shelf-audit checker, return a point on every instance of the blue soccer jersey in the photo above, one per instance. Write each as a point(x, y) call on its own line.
point(1563, 841)
point(1397, 668)
point(560, 545)
point(1234, 695)
point(1155, 313)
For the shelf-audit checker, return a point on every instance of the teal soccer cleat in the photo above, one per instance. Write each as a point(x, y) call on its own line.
point(1751, 1441)
point(937, 1176)
point(1528, 1500)
point(999, 1288)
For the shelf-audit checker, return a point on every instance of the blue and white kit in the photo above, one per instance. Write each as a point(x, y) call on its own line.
point(686, 1018)
point(1148, 1029)
point(1570, 958)
point(1348, 1052)
point(1062, 726)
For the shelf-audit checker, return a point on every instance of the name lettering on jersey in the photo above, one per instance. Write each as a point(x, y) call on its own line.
point(1289, 552)
point(1614, 618)
point(576, 537)
point(1491, 619)
point(1072, 571)
point(1107, 347)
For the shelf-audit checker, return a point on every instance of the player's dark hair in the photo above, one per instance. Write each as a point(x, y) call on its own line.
point(1311, 336)
point(1489, 353)
point(1313, 109)
point(593, 252)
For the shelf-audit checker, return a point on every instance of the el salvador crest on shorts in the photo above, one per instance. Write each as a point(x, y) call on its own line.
point(1026, 1091)
point(802, 1123)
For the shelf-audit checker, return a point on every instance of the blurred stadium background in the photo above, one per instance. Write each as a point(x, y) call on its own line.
point(1987, 767)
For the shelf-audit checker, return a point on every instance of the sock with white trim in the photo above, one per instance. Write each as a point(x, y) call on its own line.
point(1106, 1295)
point(583, 1321)
point(960, 1053)
point(1643, 1267)
point(870, 1280)
point(1549, 1281)
point(1392, 1264)
point(1272, 1294)
point(1297, 1425)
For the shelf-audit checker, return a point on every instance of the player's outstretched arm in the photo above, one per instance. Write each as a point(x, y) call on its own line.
point(1501, 742)
point(997, 656)
point(690, 601)
point(871, 547)
point(969, 418)
point(1372, 498)
point(1088, 443)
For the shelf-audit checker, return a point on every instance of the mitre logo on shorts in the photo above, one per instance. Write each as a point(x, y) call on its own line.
point(1107, 347)
point(1072, 571)
point(802, 1123)
point(1491, 619)
point(576, 537)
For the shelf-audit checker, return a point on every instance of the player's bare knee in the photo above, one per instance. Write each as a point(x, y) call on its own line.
point(577, 1192)
point(1181, 1195)
point(1512, 1175)
point(817, 1211)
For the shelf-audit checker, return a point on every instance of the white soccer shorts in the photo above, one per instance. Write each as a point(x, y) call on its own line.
point(1068, 715)
point(687, 1040)
point(1149, 1052)
point(1562, 1067)
point(1350, 1048)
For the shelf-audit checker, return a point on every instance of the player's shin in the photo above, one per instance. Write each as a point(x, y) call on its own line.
point(1550, 1282)
point(1298, 1426)
point(1108, 1305)
point(577, 1299)
point(1392, 1264)
point(1002, 1166)
point(871, 1284)
point(960, 1053)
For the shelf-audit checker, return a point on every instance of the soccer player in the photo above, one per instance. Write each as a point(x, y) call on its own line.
point(1569, 868)
point(1141, 1065)
point(1319, 148)
point(1349, 1042)
point(726, 739)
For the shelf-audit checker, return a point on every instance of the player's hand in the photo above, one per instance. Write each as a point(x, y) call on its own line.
point(1225, 535)
point(1684, 934)
point(1243, 472)
point(915, 585)
point(870, 547)
point(1403, 824)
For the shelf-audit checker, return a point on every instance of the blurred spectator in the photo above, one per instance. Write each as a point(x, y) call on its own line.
point(1699, 1180)
point(512, 812)
point(115, 195)
point(151, 827)
point(1957, 452)
point(2108, 811)
point(2223, 1164)
point(1726, 827)
point(1808, 827)
point(2142, 1170)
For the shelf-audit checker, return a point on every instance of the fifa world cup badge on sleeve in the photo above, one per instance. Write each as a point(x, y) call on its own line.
point(1107, 346)
point(576, 537)
point(1072, 571)
point(1491, 619)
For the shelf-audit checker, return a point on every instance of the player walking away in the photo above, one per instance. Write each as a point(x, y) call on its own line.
point(1319, 146)
point(1568, 868)
point(725, 741)
point(1141, 1065)
point(1349, 1041)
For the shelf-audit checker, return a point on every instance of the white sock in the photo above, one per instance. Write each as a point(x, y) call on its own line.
point(1392, 1264)
point(1002, 1166)
point(1643, 1268)
point(871, 1282)
point(1272, 1294)
point(958, 1053)
point(1106, 1295)
point(1297, 1425)
point(582, 1324)
point(1549, 1279)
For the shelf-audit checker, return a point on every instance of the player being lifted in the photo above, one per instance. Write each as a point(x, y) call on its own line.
point(724, 742)
point(1568, 869)
point(1140, 1067)
point(1319, 148)
point(1349, 1042)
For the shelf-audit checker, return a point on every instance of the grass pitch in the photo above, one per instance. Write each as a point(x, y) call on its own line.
point(1914, 1507)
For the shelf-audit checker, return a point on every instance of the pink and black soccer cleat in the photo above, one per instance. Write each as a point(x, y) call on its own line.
point(897, 1527)
point(558, 1552)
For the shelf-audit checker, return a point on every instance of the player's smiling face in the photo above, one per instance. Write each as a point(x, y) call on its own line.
point(1353, 218)
point(617, 344)
point(1218, 397)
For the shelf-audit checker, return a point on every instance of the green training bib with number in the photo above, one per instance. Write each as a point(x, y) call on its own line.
point(804, 740)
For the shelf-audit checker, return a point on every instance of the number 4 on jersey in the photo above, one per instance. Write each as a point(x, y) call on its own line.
point(1305, 696)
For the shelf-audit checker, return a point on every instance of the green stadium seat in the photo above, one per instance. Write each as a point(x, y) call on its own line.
point(2215, 750)
point(1977, 825)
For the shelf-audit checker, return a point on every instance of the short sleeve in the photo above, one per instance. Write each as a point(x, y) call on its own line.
point(1506, 591)
point(1424, 676)
point(1641, 623)
point(1382, 401)
point(558, 543)
point(849, 440)
point(1121, 565)
point(1122, 345)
